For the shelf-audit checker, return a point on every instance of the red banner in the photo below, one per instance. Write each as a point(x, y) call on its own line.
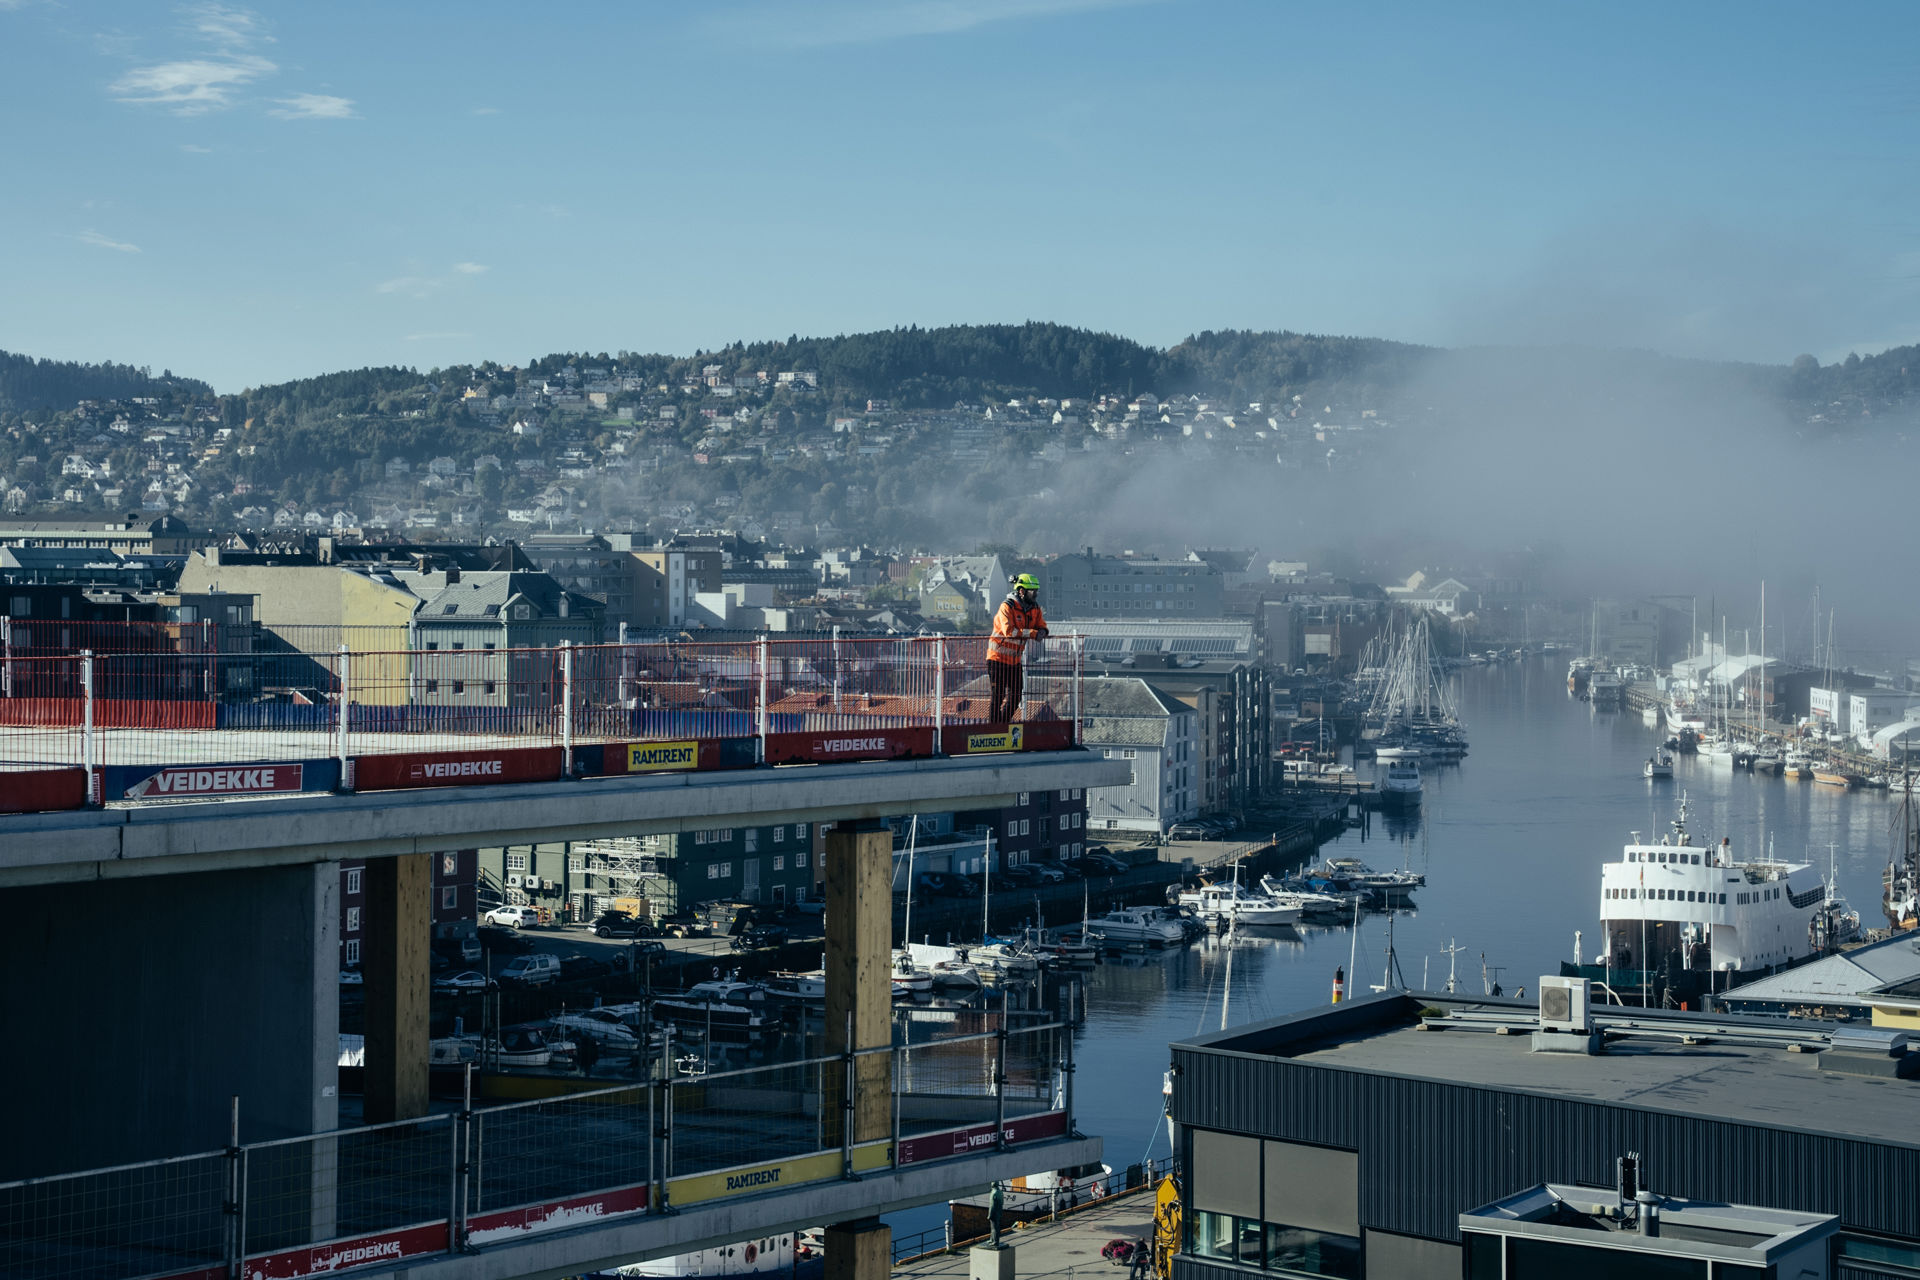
point(35, 790)
point(854, 744)
point(358, 1251)
point(456, 768)
point(492, 1228)
point(959, 1142)
point(217, 780)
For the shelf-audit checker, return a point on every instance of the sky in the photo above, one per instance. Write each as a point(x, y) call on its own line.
point(254, 194)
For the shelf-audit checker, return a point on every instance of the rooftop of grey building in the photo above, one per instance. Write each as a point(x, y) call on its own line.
point(1741, 1069)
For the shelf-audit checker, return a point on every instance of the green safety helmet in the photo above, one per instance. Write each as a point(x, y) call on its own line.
point(1027, 582)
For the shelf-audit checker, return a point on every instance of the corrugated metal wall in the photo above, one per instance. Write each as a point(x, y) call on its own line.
point(1430, 1151)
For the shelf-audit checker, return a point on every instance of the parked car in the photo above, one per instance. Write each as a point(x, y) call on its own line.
point(503, 941)
point(618, 924)
point(1024, 874)
point(462, 950)
point(530, 970)
point(512, 917)
point(1048, 872)
point(959, 886)
point(766, 935)
point(574, 968)
point(470, 980)
point(1190, 831)
point(1104, 864)
point(351, 978)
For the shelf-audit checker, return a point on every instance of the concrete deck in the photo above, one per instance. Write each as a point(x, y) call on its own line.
point(50, 848)
point(1067, 1248)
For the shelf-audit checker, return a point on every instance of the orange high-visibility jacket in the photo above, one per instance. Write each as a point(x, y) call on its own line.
point(1012, 628)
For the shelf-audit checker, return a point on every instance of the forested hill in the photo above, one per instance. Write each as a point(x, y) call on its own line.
point(27, 383)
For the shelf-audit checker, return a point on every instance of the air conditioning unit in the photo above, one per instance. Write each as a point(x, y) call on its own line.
point(1564, 1004)
point(513, 882)
point(549, 885)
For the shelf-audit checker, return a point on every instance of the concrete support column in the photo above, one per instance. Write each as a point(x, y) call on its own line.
point(860, 1250)
point(395, 929)
point(859, 963)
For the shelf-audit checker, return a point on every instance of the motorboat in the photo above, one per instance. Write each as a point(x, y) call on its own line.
point(1796, 764)
point(1659, 765)
point(951, 975)
point(521, 1047)
point(728, 991)
point(1401, 787)
point(1001, 957)
point(1407, 751)
point(790, 985)
point(1313, 906)
point(910, 973)
point(1136, 926)
point(1767, 759)
point(604, 1027)
point(1830, 776)
point(1319, 882)
point(1389, 883)
point(1224, 904)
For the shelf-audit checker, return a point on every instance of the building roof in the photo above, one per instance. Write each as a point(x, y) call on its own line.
point(1841, 979)
point(1127, 697)
point(1207, 638)
point(484, 595)
point(1737, 1069)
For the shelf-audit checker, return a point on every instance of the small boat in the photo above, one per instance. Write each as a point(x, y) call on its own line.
point(1224, 904)
point(1402, 752)
point(1313, 906)
point(1135, 926)
point(790, 985)
point(1796, 764)
point(1828, 776)
point(1659, 765)
point(1401, 787)
point(522, 1047)
point(956, 975)
point(996, 955)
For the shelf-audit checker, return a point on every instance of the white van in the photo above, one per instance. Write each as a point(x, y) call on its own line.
point(531, 971)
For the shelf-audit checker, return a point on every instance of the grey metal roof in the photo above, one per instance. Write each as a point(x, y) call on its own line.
point(1107, 731)
point(483, 595)
point(1838, 979)
point(1110, 696)
point(1717, 1078)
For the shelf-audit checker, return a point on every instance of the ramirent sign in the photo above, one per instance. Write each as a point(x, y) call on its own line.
point(217, 780)
point(652, 757)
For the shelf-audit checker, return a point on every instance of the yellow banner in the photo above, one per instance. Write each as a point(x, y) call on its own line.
point(750, 1180)
point(1005, 741)
point(651, 757)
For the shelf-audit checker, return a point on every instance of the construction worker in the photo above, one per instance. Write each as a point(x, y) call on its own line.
point(1018, 621)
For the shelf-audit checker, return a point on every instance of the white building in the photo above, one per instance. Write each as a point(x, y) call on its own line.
point(1126, 719)
point(1871, 710)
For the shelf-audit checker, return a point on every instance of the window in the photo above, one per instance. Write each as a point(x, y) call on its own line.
point(779, 834)
point(516, 862)
point(713, 871)
point(449, 898)
point(800, 858)
point(449, 864)
point(752, 840)
point(1063, 793)
point(1129, 754)
point(576, 862)
point(353, 880)
point(779, 862)
point(353, 919)
point(799, 831)
point(459, 686)
point(353, 951)
point(1026, 825)
point(1013, 829)
point(699, 837)
point(726, 868)
point(433, 686)
point(1024, 797)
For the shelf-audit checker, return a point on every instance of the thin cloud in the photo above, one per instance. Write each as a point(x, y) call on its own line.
point(471, 268)
point(865, 22)
point(99, 241)
point(486, 111)
point(313, 106)
point(227, 27)
point(191, 86)
point(408, 286)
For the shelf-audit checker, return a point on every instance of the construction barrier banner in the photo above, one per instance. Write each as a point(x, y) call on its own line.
point(510, 1224)
point(1046, 735)
point(862, 744)
point(615, 759)
point(144, 782)
point(456, 768)
point(975, 739)
point(653, 757)
point(357, 1251)
point(750, 1180)
point(42, 790)
point(958, 1142)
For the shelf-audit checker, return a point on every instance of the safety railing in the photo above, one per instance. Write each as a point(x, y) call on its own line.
point(166, 721)
point(1036, 1202)
point(479, 1177)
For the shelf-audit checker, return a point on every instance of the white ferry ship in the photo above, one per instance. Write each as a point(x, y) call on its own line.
point(1681, 920)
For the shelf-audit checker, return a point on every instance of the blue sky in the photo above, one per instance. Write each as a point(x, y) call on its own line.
point(253, 194)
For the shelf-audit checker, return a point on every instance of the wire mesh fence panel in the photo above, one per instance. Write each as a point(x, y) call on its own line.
point(42, 711)
point(349, 1182)
point(765, 1113)
point(1031, 1078)
point(836, 684)
point(530, 1153)
point(140, 1220)
point(454, 697)
point(664, 689)
point(945, 1084)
